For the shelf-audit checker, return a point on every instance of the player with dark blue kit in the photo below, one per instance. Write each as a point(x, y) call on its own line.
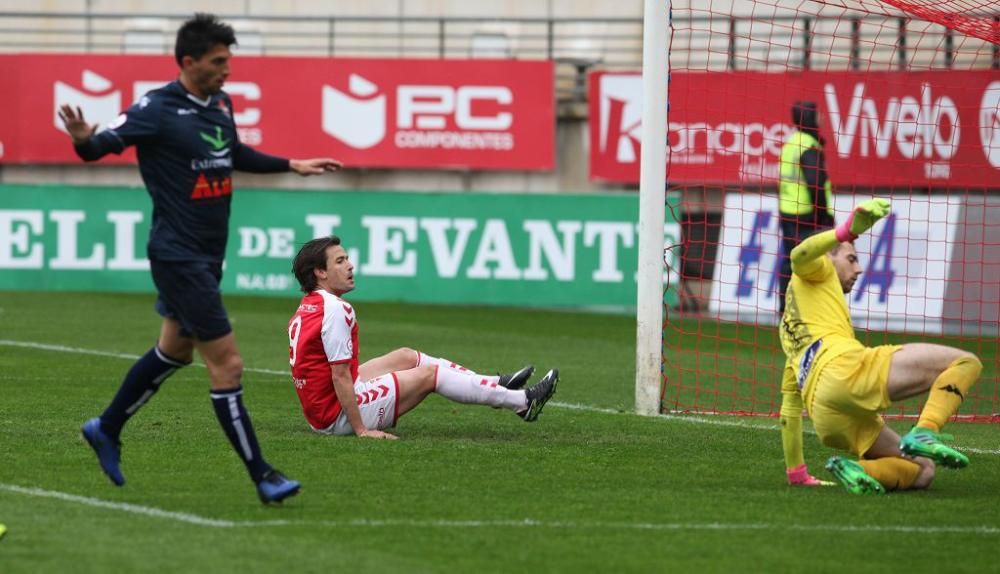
point(187, 148)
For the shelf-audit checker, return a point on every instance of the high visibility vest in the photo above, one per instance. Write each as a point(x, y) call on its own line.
point(795, 197)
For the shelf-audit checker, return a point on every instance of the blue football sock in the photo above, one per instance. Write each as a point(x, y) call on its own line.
point(141, 382)
point(235, 422)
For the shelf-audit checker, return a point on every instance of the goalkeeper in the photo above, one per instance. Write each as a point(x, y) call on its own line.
point(845, 385)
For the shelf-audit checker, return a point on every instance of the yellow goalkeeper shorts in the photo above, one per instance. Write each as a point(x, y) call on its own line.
point(850, 392)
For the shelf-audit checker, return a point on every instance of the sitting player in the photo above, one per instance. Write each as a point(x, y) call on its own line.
point(341, 397)
point(845, 385)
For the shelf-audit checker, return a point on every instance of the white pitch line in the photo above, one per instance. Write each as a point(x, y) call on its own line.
point(63, 349)
point(979, 450)
point(681, 418)
point(189, 518)
point(691, 419)
point(96, 353)
point(983, 530)
point(122, 506)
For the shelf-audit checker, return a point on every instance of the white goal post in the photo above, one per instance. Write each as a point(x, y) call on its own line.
point(652, 209)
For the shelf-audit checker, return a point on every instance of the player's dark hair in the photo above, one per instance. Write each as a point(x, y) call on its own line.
point(200, 34)
point(312, 256)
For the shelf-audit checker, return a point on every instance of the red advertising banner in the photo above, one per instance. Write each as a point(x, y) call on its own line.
point(10, 87)
point(429, 114)
point(927, 129)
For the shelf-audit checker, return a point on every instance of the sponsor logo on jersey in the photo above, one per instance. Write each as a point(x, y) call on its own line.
point(118, 122)
point(806, 362)
point(207, 187)
point(220, 144)
point(203, 164)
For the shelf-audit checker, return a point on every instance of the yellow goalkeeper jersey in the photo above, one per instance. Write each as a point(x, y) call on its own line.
point(816, 326)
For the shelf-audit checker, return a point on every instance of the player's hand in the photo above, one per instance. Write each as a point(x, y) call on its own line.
point(377, 434)
point(799, 476)
point(863, 218)
point(74, 123)
point(315, 166)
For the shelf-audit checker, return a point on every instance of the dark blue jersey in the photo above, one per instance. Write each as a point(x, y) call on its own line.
point(187, 149)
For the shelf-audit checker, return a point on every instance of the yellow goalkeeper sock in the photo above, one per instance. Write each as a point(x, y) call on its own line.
point(948, 391)
point(892, 472)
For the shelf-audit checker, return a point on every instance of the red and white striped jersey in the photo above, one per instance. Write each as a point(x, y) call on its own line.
point(322, 332)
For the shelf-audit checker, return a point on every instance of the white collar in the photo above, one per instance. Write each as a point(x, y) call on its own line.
point(203, 103)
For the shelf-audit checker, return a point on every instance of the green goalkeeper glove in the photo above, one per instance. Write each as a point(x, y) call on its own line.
point(864, 216)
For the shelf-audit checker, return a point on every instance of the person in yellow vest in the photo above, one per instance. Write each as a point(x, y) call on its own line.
point(845, 386)
point(806, 196)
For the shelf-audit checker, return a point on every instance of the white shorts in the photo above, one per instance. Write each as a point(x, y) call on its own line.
point(378, 400)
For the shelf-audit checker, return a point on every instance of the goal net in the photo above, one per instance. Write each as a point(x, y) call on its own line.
point(909, 99)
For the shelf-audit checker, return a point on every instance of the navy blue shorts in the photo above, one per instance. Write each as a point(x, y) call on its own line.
point(189, 293)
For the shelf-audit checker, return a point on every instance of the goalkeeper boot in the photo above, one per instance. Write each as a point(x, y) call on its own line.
point(107, 448)
point(516, 380)
point(275, 487)
point(927, 443)
point(853, 477)
point(538, 395)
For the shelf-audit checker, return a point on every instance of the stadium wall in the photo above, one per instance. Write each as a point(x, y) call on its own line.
point(556, 251)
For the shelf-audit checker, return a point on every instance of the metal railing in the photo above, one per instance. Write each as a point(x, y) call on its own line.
point(715, 43)
point(618, 40)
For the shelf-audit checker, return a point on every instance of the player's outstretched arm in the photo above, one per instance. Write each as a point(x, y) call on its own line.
point(314, 166)
point(864, 216)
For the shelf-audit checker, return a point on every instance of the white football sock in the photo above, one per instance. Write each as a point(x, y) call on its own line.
point(470, 388)
point(425, 359)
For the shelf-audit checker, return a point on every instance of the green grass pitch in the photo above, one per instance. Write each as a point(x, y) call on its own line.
point(588, 488)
